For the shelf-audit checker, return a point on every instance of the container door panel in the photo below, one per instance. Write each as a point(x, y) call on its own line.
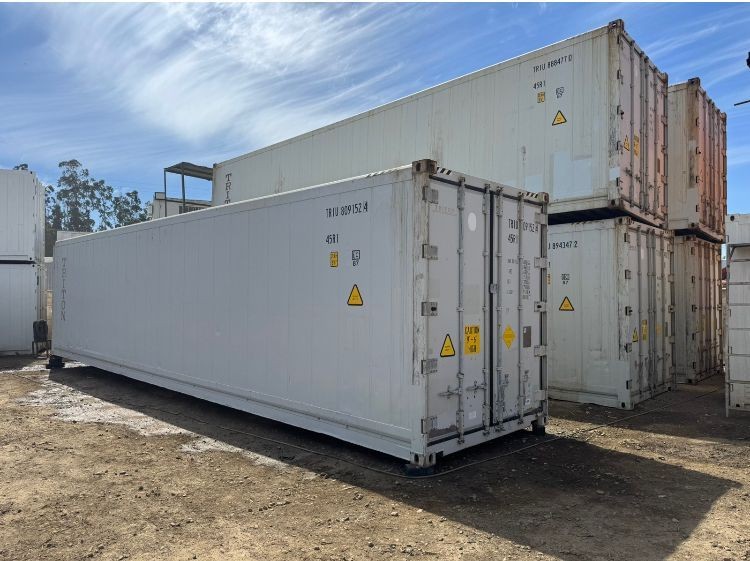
point(517, 322)
point(456, 330)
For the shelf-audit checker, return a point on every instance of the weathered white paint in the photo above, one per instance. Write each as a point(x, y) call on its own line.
point(614, 347)
point(608, 155)
point(697, 161)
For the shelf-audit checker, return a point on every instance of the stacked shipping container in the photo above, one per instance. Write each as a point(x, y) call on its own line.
point(697, 205)
point(584, 120)
point(738, 313)
point(21, 256)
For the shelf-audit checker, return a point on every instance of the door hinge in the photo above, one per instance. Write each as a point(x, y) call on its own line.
point(429, 251)
point(540, 306)
point(493, 288)
point(540, 218)
point(540, 350)
point(429, 308)
point(429, 366)
point(540, 262)
point(428, 424)
point(430, 195)
point(628, 311)
point(628, 274)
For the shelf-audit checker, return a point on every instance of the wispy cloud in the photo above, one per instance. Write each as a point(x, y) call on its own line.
point(199, 71)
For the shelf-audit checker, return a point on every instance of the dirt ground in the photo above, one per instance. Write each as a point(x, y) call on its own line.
point(96, 466)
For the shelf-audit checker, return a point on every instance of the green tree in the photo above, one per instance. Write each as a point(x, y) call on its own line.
point(82, 203)
point(127, 209)
point(85, 202)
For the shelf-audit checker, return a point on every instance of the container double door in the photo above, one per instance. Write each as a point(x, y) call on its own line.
point(484, 311)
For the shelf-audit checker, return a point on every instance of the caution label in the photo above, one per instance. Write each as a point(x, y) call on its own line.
point(334, 259)
point(559, 119)
point(635, 335)
point(447, 348)
point(509, 336)
point(540, 97)
point(636, 145)
point(644, 330)
point(626, 144)
point(355, 297)
point(471, 339)
point(566, 305)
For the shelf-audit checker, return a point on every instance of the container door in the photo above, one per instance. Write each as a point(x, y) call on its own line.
point(457, 304)
point(518, 327)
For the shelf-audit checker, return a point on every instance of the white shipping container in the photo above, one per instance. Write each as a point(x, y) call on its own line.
point(738, 313)
point(402, 310)
point(21, 216)
point(583, 119)
point(697, 162)
point(738, 229)
point(610, 312)
point(19, 307)
point(698, 311)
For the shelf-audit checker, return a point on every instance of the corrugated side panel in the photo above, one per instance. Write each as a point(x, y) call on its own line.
point(18, 307)
point(21, 216)
point(295, 307)
point(554, 120)
point(610, 312)
point(698, 312)
point(738, 329)
point(697, 162)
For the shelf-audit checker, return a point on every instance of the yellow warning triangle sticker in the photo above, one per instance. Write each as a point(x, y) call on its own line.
point(447, 349)
point(355, 298)
point(626, 144)
point(559, 119)
point(566, 305)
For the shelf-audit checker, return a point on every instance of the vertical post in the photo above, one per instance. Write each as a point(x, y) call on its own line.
point(182, 174)
point(165, 193)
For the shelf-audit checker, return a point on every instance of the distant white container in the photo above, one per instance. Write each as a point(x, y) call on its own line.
point(68, 234)
point(698, 309)
point(697, 162)
point(738, 313)
point(19, 307)
point(583, 119)
point(402, 311)
point(738, 229)
point(610, 312)
point(21, 217)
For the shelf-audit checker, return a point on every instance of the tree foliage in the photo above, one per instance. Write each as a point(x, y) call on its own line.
point(82, 203)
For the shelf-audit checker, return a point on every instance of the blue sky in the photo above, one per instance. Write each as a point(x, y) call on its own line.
point(128, 89)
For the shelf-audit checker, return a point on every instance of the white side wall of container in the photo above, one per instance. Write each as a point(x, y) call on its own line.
point(21, 216)
point(697, 162)
point(610, 312)
point(583, 119)
point(346, 308)
point(738, 313)
point(19, 307)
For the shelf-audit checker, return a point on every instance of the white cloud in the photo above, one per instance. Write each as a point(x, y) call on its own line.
point(198, 71)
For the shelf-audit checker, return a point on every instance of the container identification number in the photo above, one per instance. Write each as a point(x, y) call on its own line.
point(552, 63)
point(345, 210)
point(563, 245)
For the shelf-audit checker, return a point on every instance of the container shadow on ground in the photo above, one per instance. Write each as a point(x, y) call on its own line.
point(568, 498)
point(693, 411)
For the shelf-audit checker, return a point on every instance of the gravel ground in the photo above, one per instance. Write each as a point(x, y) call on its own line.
point(95, 466)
